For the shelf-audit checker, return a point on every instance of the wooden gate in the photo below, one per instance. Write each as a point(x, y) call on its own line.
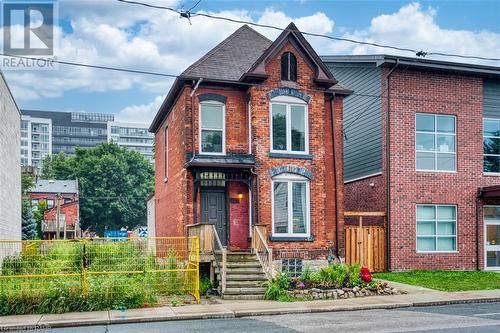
point(366, 245)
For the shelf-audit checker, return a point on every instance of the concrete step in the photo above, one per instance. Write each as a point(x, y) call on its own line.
point(244, 284)
point(245, 291)
point(249, 264)
point(243, 270)
point(245, 277)
point(243, 297)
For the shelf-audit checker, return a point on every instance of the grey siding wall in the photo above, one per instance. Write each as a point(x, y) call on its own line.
point(491, 99)
point(362, 119)
point(10, 166)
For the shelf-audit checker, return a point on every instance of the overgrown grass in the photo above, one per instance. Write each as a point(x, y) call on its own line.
point(446, 280)
point(118, 276)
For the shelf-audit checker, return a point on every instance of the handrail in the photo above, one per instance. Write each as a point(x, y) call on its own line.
point(266, 257)
point(222, 269)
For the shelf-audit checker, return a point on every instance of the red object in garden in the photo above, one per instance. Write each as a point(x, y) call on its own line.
point(365, 274)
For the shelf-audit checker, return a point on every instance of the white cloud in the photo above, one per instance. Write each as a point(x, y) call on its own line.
point(140, 113)
point(415, 27)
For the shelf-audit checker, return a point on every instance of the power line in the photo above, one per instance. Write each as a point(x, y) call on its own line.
point(419, 53)
point(70, 63)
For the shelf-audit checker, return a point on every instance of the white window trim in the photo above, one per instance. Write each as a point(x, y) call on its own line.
point(436, 236)
point(290, 179)
point(288, 101)
point(435, 133)
point(166, 154)
point(489, 173)
point(201, 152)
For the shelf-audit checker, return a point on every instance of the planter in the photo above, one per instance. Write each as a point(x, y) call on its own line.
point(316, 293)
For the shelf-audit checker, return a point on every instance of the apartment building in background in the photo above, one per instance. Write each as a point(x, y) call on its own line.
point(422, 142)
point(133, 136)
point(51, 132)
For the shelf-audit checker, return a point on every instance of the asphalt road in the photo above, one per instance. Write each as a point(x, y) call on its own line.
point(482, 317)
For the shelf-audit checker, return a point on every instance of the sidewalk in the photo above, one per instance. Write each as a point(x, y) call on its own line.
point(416, 296)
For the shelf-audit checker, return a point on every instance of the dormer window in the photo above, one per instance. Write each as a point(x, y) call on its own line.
point(288, 67)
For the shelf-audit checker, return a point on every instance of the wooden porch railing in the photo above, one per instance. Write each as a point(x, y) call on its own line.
point(262, 250)
point(210, 244)
point(366, 245)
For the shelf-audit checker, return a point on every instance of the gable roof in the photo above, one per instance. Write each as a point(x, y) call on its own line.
point(231, 58)
point(55, 186)
point(291, 33)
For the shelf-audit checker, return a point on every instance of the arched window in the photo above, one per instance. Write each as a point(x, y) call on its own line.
point(290, 205)
point(288, 67)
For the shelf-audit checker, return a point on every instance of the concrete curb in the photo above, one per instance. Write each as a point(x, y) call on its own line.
point(229, 314)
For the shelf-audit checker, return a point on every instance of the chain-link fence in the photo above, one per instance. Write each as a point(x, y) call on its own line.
point(92, 274)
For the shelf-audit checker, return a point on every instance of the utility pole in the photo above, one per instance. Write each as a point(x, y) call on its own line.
point(58, 213)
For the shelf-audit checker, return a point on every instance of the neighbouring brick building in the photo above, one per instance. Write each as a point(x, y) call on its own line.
point(52, 191)
point(422, 142)
point(250, 134)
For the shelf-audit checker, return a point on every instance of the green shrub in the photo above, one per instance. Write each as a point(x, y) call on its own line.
point(205, 284)
point(277, 288)
point(332, 276)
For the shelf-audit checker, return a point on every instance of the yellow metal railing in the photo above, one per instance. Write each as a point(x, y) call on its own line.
point(137, 271)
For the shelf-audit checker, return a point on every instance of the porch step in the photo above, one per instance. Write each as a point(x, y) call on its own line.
point(245, 283)
point(245, 264)
point(245, 277)
point(244, 297)
point(245, 291)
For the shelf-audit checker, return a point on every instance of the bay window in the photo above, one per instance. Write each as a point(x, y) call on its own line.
point(212, 128)
point(435, 142)
point(436, 228)
point(289, 127)
point(291, 206)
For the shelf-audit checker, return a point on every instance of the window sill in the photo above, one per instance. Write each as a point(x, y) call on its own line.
point(492, 174)
point(437, 252)
point(291, 155)
point(291, 239)
point(437, 171)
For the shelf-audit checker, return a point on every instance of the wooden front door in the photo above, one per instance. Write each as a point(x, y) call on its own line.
point(213, 211)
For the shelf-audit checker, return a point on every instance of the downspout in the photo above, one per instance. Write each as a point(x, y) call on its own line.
point(257, 199)
point(388, 163)
point(193, 131)
point(332, 123)
point(478, 212)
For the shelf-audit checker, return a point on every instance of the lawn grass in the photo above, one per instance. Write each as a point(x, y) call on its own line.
point(445, 280)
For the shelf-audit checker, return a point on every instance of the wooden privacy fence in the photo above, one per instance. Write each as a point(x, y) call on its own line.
point(366, 245)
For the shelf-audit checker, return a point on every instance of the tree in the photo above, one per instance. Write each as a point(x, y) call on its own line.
point(38, 215)
point(114, 183)
point(28, 222)
point(27, 183)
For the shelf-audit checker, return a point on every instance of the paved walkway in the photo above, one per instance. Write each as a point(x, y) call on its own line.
point(416, 296)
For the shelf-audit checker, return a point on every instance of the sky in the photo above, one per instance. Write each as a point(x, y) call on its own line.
point(110, 33)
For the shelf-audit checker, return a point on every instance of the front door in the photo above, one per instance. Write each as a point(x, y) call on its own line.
point(492, 237)
point(213, 211)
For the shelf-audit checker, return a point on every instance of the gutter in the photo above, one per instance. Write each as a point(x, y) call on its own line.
point(388, 164)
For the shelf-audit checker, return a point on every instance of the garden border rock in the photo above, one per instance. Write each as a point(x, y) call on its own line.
point(316, 293)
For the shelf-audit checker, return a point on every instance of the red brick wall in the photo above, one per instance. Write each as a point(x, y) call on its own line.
point(52, 196)
point(70, 210)
point(366, 195)
point(171, 193)
point(238, 216)
point(413, 92)
point(320, 137)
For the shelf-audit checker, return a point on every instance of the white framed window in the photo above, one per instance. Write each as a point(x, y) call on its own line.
point(166, 153)
point(290, 206)
point(435, 143)
point(289, 125)
point(491, 146)
point(212, 128)
point(436, 228)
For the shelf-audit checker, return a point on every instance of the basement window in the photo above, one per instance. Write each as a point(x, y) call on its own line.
point(293, 267)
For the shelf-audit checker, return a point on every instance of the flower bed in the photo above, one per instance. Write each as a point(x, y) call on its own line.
point(335, 281)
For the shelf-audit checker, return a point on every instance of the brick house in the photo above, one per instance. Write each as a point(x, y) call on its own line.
point(427, 152)
point(250, 135)
point(50, 191)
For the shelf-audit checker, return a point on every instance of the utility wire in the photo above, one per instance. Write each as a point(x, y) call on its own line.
point(117, 69)
point(419, 53)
